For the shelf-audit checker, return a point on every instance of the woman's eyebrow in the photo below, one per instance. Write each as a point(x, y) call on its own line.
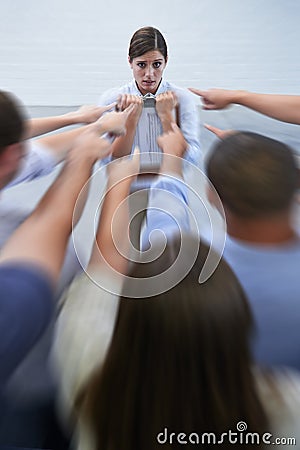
point(145, 60)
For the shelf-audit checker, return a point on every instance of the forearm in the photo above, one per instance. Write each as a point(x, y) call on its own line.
point(39, 126)
point(166, 121)
point(281, 107)
point(122, 145)
point(59, 144)
point(112, 238)
point(171, 165)
point(43, 237)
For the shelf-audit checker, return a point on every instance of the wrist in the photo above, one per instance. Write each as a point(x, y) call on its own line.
point(166, 122)
point(238, 97)
point(72, 118)
point(171, 165)
point(122, 184)
point(166, 117)
point(118, 188)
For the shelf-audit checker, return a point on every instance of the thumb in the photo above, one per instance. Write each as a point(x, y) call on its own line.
point(127, 111)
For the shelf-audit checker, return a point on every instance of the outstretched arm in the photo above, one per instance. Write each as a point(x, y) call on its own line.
point(85, 114)
point(122, 145)
point(94, 305)
point(112, 237)
point(281, 107)
point(167, 206)
point(59, 144)
point(41, 240)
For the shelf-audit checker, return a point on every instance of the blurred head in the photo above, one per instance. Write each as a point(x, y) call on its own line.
point(255, 176)
point(179, 360)
point(147, 56)
point(12, 127)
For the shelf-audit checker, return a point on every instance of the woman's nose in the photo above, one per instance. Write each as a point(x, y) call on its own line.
point(149, 71)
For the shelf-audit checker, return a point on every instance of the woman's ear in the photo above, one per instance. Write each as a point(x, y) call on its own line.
point(129, 61)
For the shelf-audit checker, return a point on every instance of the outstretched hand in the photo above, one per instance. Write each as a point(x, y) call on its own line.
point(90, 113)
point(89, 144)
point(115, 122)
point(173, 142)
point(214, 98)
point(125, 100)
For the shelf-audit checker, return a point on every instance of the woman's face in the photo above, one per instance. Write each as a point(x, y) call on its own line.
point(147, 71)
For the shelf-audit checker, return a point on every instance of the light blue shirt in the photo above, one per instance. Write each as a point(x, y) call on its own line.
point(167, 210)
point(38, 162)
point(188, 115)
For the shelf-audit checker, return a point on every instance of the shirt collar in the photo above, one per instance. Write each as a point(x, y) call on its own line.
point(161, 88)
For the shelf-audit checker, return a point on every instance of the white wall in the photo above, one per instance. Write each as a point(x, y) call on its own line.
point(66, 52)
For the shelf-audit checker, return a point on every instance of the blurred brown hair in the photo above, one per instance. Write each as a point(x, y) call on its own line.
point(179, 360)
point(147, 39)
point(12, 124)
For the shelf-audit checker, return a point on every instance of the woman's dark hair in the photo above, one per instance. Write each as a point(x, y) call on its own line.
point(147, 39)
point(12, 123)
point(179, 360)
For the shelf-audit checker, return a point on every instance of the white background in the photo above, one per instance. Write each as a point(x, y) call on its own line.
point(63, 53)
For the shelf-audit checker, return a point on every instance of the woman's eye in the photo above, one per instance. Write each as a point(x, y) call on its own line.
point(156, 65)
point(141, 65)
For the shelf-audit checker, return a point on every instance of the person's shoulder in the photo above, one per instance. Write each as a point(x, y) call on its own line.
point(32, 293)
point(32, 282)
point(8, 271)
point(109, 96)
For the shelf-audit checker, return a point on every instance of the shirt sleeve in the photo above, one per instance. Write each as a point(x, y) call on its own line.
point(38, 162)
point(167, 210)
point(190, 126)
point(83, 334)
point(26, 306)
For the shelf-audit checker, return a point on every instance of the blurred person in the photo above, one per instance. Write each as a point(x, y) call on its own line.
point(30, 261)
point(41, 155)
point(256, 179)
point(23, 160)
point(148, 57)
point(177, 361)
point(25, 400)
point(38, 245)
